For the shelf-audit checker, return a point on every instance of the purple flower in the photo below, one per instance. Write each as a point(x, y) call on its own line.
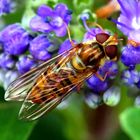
point(48, 20)
point(130, 77)
point(97, 85)
point(91, 32)
point(130, 55)
point(7, 61)
point(129, 20)
point(84, 16)
point(90, 35)
point(65, 46)
point(38, 48)
point(25, 63)
point(110, 67)
point(5, 7)
point(15, 39)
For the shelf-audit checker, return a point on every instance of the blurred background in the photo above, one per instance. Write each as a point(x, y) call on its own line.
point(74, 121)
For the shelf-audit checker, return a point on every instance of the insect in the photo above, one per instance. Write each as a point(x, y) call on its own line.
point(44, 87)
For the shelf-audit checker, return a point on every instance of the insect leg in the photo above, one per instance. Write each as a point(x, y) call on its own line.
point(100, 77)
point(96, 24)
point(79, 86)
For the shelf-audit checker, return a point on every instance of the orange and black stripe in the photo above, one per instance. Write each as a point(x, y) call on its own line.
point(59, 82)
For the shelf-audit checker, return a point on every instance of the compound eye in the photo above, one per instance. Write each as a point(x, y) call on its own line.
point(111, 51)
point(102, 37)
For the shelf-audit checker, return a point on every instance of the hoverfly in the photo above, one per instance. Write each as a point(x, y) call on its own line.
point(44, 87)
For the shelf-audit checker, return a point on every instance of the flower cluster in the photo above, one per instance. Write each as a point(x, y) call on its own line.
point(21, 49)
point(48, 20)
point(6, 6)
point(129, 23)
point(129, 19)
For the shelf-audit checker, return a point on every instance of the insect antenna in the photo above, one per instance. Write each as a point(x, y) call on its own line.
point(96, 25)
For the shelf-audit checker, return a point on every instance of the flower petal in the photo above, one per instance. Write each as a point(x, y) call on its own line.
point(130, 77)
point(15, 39)
point(25, 63)
point(127, 22)
point(44, 11)
point(5, 7)
point(66, 45)
point(90, 35)
point(38, 48)
point(60, 32)
point(128, 7)
point(135, 35)
point(97, 85)
point(130, 56)
point(61, 9)
point(37, 24)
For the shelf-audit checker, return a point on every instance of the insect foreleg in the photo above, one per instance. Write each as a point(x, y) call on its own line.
point(100, 77)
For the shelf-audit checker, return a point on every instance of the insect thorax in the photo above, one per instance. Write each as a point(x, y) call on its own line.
point(91, 54)
point(87, 55)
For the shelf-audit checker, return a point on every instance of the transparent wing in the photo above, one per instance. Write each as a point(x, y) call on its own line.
point(32, 111)
point(50, 98)
point(19, 88)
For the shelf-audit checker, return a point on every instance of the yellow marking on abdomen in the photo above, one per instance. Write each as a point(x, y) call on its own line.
point(77, 63)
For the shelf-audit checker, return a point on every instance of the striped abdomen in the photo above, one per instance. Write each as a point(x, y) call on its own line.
point(50, 86)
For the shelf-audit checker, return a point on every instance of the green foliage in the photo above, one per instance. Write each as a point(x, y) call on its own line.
point(130, 122)
point(75, 121)
point(50, 127)
point(10, 127)
point(120, 135)
point(60, 124)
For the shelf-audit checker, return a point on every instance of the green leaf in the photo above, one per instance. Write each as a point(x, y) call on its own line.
point(62, 124)
point(130, 122)
point(35, 3)
point(10, 127)
point(82, 4)
point(50, 127)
